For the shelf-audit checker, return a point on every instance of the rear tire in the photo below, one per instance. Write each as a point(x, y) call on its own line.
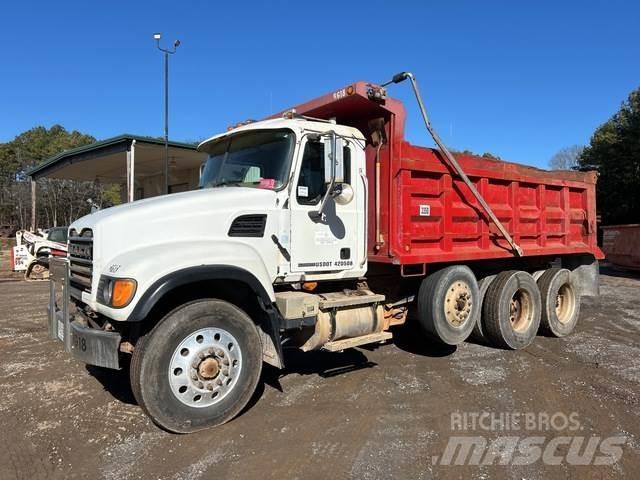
point(198, 367)
point(478, 329)
point(560, 302)
point(449, 304)
point(511, 310)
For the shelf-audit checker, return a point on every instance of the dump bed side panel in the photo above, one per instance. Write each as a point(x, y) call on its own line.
point(439, 220)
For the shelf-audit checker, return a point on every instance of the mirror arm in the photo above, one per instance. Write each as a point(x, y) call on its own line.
point(320, 212)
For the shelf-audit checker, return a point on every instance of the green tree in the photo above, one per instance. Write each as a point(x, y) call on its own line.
point(614, 152)
point(33, 146)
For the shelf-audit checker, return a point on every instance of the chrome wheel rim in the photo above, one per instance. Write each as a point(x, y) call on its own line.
point(205, 367)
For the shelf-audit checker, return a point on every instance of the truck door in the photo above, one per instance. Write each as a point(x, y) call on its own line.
point(331, 244)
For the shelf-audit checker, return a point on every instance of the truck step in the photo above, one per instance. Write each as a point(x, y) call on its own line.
point(339, 300)
point(340, 345)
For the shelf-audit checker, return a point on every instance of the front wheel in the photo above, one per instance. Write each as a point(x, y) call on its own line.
point(198, 367)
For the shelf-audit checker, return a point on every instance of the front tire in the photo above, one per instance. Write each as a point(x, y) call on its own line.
point(198, 367)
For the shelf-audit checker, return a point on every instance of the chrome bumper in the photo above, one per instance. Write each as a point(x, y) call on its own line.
point(90, 345)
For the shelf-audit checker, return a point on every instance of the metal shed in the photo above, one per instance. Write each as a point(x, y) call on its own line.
point(135, 162)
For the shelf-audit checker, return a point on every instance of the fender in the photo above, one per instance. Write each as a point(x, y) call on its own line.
point(271, 345)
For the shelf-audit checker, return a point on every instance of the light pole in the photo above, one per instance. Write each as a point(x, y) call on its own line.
point(176, 44)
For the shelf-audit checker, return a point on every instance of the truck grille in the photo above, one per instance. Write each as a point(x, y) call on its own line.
point(81, 259)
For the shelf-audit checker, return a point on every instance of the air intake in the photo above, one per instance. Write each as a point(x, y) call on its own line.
point(248, 226)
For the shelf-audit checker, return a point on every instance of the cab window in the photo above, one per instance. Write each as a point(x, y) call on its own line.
point(311, 187)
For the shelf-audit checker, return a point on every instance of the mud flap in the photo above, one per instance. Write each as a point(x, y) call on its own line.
point(585, 274)
point(269, 331)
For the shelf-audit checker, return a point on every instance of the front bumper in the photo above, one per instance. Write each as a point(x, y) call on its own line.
point(90, 345)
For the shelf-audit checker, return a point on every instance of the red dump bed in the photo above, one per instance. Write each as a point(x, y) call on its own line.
point(436, 218)
point(428, 214)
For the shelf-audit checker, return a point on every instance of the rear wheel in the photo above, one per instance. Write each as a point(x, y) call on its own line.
point(511, 310)
point(560, 302)
point(198, 367)
point(478, 329)
point(448, 304)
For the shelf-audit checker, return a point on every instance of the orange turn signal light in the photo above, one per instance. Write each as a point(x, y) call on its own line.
point(123, 291)
point(309, 286)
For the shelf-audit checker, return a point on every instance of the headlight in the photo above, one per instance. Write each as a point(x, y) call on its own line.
point(116, 292)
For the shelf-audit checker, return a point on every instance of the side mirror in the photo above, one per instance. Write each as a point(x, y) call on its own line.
point(333, 159)
point(201, 170)
point(333, 170)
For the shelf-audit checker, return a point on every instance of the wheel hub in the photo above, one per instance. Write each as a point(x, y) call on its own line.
point(458, 303)
point(205, 367)
point(208, 368)
point(520, 310)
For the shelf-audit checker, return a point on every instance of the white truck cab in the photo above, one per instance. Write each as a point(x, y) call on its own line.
point(281, 206)
point(258, 209)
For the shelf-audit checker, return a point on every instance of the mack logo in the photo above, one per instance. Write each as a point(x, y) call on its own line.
point(82, 251)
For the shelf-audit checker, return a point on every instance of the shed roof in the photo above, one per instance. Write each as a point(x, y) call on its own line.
point(112, 154)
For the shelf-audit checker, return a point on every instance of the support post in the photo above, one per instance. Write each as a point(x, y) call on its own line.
point(166, 123)
point(33, 204)
point(131, 165)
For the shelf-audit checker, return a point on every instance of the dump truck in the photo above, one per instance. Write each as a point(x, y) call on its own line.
point(320, 228)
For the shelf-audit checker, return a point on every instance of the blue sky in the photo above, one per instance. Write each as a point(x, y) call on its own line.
point(518, 79)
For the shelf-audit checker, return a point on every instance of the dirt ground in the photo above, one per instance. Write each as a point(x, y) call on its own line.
point(374, 413)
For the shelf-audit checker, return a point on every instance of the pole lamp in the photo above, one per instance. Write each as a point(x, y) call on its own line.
point(167, 52)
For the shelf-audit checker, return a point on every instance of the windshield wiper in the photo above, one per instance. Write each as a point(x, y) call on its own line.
point(227, 183)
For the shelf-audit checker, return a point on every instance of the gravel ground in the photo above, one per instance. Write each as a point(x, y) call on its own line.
point(383, 412)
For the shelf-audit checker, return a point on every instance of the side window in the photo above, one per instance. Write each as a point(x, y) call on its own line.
point(311, 186)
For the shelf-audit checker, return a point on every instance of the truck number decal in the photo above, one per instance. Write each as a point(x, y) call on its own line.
point(328, 263)
point(339, 94)
point(425, 210)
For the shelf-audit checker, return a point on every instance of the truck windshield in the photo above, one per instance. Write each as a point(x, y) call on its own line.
point(258, 159)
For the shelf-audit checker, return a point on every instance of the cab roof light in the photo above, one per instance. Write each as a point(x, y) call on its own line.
point(289, 114)
point(376, 93)
point(241, 124)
